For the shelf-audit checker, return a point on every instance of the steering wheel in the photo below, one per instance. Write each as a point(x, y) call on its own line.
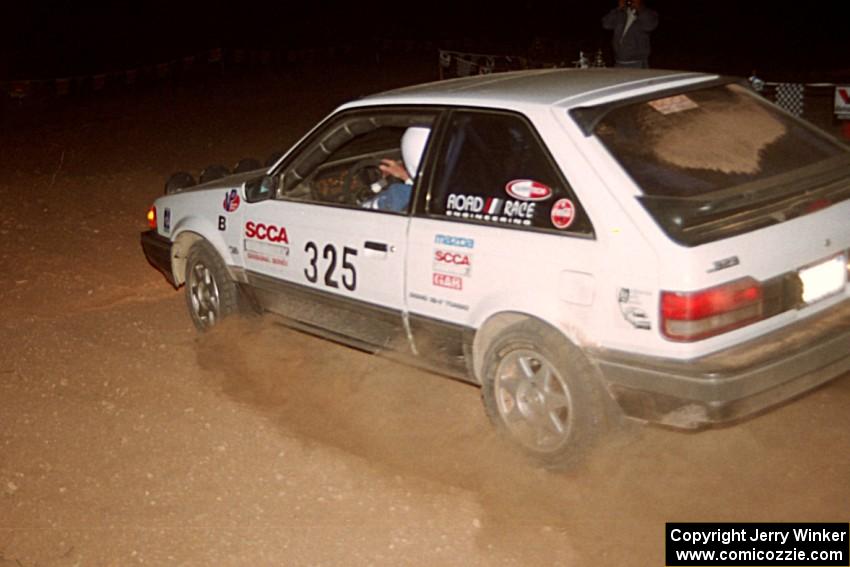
point(366, 172)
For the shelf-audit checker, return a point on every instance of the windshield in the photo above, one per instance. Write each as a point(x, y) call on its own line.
point(702, 141)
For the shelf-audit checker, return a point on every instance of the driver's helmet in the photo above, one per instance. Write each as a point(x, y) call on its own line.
point(412, 147)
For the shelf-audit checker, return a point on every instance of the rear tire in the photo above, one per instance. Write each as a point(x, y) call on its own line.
point(542, 393)
point(210, 293)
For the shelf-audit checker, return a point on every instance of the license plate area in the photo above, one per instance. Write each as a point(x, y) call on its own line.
point(823, 279)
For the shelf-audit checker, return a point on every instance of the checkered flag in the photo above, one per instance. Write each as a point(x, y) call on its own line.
point(790, 97)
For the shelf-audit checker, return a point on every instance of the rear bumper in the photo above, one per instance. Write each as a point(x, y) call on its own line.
point(158, 252)
point(734, 383)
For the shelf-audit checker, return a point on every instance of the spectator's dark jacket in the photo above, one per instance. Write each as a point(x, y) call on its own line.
point(634, 46)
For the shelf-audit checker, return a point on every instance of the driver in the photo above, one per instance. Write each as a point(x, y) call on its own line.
point(396, 196)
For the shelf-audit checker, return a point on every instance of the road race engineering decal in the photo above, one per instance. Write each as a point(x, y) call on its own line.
point(634, 304)
point(451, 261)
point(491, 209)
point(231, 201)
point(267, 244)
point(563, 213)
point(331, 266)
point(528, 190)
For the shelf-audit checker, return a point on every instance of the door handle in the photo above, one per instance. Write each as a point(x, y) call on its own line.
point(376, 246)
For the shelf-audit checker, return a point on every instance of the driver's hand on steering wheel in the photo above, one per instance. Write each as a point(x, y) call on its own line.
point(393, 168)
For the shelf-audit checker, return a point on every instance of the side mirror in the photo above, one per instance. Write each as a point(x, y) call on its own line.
point(261, 188)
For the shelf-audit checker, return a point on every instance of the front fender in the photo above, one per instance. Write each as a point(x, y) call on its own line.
point(188, 231)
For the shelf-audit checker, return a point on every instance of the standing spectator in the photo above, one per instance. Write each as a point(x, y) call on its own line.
point(631, 22)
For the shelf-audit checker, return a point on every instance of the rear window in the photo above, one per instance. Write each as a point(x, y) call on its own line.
point(704, 141)
point(701, 156)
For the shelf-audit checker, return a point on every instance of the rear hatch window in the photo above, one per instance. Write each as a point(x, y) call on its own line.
point(720, 161)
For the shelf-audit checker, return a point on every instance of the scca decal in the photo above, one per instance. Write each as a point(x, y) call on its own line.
point(269, 232)
point(447, 257)
point(528, 190)
point(452, 262)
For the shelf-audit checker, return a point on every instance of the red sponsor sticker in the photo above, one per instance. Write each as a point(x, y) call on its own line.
point(231, 201)
point(452, 262)
point(269, 232)
point(444, 280)
point(451, 257)
point(563, 213)
point(528, 190)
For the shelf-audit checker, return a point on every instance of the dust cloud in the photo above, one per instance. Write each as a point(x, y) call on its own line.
point(403, 421)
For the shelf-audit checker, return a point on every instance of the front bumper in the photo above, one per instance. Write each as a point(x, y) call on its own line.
point(733, 383)
point(158, 252)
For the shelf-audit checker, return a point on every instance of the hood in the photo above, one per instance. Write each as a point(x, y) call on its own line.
point(227, 182)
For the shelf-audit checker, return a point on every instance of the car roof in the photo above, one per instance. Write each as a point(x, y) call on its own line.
point(538, 87)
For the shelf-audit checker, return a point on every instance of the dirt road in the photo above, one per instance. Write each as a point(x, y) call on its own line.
point(125, 438)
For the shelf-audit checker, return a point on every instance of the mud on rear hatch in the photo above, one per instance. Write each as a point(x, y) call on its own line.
point(716, 161)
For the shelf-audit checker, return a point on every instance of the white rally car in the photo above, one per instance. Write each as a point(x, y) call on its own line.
point(664, 245)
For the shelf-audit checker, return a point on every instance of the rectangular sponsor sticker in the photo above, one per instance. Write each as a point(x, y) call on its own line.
point(460, 241)
point(273, 254)
point(673, 104)
point(447, 281)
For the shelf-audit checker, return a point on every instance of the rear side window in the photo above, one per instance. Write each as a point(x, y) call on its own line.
point(492, 168)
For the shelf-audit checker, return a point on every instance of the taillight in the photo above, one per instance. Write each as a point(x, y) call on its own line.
point(151, 216)
point(690, 316)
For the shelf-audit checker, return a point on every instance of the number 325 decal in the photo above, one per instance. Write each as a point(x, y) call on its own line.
point(329, 254)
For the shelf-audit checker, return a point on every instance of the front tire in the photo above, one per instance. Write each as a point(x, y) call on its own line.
point(210, 293)
point(542, 393)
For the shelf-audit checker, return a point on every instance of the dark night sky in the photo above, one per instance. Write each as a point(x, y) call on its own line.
point(70, 37)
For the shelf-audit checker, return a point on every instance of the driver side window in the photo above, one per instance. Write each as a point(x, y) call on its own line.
point(348, 163)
